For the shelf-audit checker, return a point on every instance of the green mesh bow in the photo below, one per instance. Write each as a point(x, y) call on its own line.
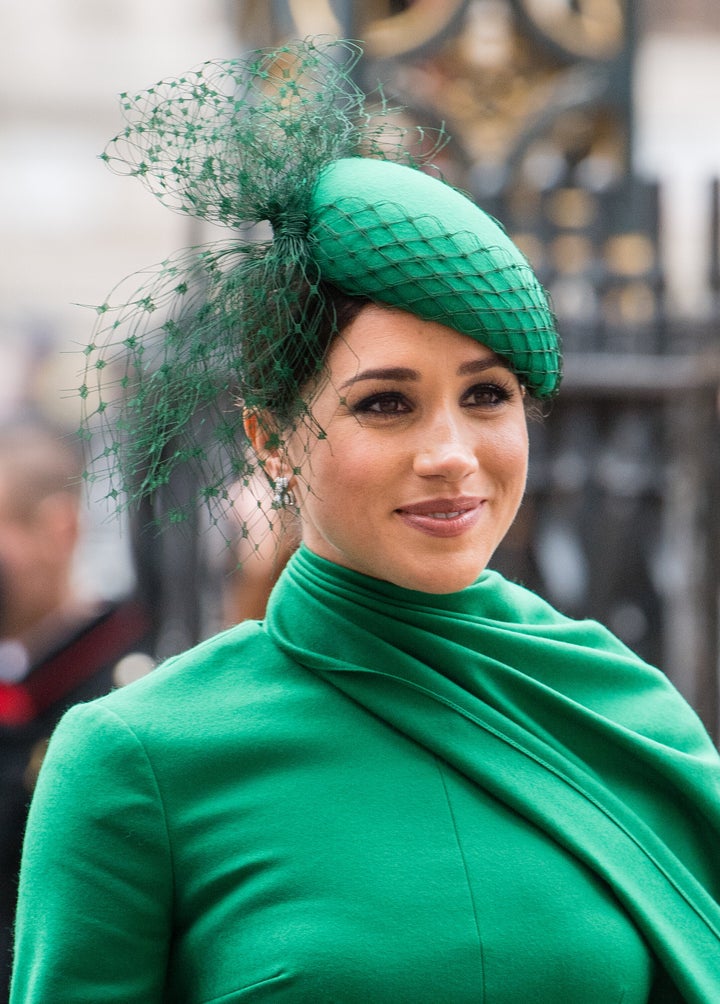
point(285, 138)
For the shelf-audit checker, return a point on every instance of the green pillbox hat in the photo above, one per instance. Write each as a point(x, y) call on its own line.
point(404, 238)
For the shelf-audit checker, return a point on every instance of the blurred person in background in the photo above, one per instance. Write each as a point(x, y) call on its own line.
point(57, 646)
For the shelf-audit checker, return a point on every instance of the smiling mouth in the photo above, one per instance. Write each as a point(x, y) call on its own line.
point(442, 518)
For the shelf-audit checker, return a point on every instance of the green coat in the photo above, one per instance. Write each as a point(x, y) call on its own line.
point(308, 810)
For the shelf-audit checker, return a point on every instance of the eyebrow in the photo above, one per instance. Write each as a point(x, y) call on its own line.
point(402, 373)
point(390, 373)
point(480, 365)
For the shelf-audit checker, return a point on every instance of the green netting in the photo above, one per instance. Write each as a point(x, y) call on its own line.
point(402, 237)
point(285, 138)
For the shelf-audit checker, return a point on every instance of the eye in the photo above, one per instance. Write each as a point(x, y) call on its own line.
point(487, 395)
point(385, 403)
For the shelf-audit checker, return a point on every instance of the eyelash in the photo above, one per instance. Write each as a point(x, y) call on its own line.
point(367, 406)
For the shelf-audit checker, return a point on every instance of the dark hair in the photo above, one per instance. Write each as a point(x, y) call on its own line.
point(321, 312)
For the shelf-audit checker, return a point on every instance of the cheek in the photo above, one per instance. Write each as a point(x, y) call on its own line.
point(340, 478)
point(335, 472)
point(508, 454)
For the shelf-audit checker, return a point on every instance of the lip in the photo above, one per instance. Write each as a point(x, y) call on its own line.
point(442, 517)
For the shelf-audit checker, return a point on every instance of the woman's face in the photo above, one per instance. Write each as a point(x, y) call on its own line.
point(424, 460)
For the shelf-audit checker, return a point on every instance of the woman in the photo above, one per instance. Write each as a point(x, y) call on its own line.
point(414, 780)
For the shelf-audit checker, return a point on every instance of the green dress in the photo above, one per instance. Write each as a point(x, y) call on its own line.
point(378, 795)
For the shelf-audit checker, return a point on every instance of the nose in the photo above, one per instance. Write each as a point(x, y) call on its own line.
point(445, 451)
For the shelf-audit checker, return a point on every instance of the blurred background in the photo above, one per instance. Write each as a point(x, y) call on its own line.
point(589, 127)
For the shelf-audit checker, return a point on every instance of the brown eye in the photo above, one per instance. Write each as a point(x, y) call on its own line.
point(484, 395)
point(387, 403)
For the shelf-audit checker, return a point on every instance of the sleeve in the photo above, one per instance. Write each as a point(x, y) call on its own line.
point(94, 908)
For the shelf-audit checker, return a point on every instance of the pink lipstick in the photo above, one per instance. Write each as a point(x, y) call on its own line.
point(442, 517)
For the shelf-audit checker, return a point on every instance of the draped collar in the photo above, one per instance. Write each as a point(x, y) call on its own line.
point(555, 717)
point(498, 642)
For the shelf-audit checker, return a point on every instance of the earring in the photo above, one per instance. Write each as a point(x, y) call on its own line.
point(283, 496)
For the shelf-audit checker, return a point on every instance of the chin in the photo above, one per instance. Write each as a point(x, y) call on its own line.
point(440, 581)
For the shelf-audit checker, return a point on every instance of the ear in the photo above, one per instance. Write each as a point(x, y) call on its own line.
point(262, 433)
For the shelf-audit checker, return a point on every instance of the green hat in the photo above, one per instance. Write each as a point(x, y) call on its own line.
point(401, 237)
point(283, 137)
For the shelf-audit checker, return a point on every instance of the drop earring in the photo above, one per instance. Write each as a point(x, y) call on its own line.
point(283, 495)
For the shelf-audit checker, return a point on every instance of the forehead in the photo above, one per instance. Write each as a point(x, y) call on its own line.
point(389, 336)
